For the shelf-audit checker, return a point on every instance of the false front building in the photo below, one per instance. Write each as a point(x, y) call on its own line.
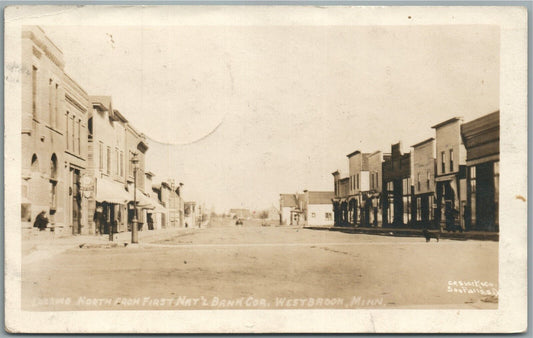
point(481, 138)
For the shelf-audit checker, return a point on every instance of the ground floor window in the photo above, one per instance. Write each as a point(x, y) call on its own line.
point(418, 208)
point(406, 209)
point(329, 216)
point(390, 211)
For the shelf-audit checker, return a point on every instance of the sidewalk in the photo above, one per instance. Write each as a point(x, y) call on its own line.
point(408, 232)
point(40, 245)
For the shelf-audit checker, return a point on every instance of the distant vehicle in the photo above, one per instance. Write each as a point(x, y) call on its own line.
point(238, 222)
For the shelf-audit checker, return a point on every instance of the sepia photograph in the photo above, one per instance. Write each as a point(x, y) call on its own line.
point(186, 169)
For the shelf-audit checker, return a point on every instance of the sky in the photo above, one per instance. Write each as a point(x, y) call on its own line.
point(240, 114)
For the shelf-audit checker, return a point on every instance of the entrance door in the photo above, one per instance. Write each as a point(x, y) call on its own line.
point(75, 201)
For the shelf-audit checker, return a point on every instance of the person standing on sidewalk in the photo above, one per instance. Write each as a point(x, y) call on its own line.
point(99, 220)
point(41, 221)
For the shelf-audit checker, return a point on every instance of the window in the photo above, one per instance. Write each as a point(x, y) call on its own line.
point(357, 181)
point(50, 102)
point(473, 179)
point(56, 105)
point(67, 129)
point(101, 156)
point(418, 209)
point(34, 92)
point(406, 209)
point(329, 216)
point(431, 207)
point(451, 159)
point(53, 182)
point(418, 182)
point(130, 165)
point(313, 215)
point(443, 162)
point(390, 186)
point(428, 179)
point(53, 167)
point(79, 137)
point(108, 164)
point(121, 165)
point(34, 163)
point(117, 162)
point(73, 133)
point(377, 181)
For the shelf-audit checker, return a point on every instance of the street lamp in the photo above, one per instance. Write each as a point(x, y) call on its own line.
point(134, 227)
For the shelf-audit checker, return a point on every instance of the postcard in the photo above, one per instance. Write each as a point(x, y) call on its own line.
point(265, 169)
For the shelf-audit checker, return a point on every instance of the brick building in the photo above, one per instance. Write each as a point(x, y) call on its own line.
point(54, 137)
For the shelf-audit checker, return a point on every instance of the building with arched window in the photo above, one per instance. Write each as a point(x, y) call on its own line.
point(54, 137)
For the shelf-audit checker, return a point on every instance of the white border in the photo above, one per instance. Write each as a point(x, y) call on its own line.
point(511, 315)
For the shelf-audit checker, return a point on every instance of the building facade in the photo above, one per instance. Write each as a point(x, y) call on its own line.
point(318, 208)
point(109, 196)
point(481, 138)
point(372, 203)
point(359, 187)
point(341, 193)
point(424, 165)
point(190, 214)
point(292, 210)
point(54, 138)
point(397, 188)
point(450, 177)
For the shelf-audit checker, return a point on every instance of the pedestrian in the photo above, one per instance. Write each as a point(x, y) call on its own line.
point(41, 221)
point(99, 220)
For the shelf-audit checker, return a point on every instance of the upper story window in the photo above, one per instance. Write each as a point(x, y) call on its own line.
point(451, 159)
point(34, 91)
point(443, 162)
point(51, 102)
point(101, 156)
point(418, 184)
point(108, 162)
point(34, 163)
point(428, 179)
point(67, 129)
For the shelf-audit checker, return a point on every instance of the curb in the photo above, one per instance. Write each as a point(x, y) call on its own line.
point(482, 236)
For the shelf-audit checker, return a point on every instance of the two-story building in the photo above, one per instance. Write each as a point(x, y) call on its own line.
point(373, 205)
point(450, 176)
point(341, 193)
point(397, 188)
point(424, 165)
point(359, 186)
point(107, 173)
point(481, 138)
point(54, 137)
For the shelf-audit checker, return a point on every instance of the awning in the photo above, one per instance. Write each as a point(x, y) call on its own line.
point(143, 201)
point(159, 208)
point(111, 192)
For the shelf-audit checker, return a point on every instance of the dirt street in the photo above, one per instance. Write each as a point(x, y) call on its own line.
point(267, 267)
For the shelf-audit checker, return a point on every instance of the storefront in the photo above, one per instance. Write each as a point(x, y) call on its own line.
point(110, 201)
point(482, 141)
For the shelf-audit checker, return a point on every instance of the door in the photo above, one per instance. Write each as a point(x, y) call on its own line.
point(75, 201)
